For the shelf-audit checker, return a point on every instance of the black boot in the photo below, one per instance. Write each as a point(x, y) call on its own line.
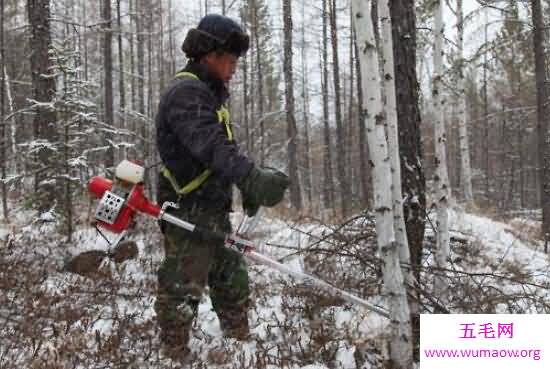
point(174, 343)
point(234, 323)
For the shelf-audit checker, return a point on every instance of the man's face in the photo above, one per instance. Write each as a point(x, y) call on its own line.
point(222, 65)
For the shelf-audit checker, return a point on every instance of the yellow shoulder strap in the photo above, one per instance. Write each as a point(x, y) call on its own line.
point(190, 187)
point(223, 114)
point(187, 74)
point(223, 117)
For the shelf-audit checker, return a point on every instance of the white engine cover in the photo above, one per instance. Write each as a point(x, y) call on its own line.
point(130, 172)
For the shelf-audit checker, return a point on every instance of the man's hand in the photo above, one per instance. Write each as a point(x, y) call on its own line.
point(262, 187)
point(250, 208)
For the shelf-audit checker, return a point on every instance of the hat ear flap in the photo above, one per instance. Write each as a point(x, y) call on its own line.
point(197, 44)
point(237, 43)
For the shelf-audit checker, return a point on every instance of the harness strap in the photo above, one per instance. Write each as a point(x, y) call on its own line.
point(223, 117)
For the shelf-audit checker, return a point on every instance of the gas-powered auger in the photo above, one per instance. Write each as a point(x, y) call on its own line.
point(121, 201)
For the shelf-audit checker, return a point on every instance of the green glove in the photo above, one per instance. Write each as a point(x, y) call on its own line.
point(262, 187)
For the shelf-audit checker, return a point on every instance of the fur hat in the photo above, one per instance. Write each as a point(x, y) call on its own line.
point(215, 32)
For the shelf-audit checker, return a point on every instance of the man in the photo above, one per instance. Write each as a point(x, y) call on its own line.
point(201, 162)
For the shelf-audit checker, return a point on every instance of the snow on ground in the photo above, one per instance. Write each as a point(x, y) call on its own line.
point(502, 242)
point(495, 249)
point(284, 336)
point(505, 243)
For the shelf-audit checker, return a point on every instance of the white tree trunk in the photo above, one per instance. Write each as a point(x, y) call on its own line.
point(373, 113)
point(465, 169)
point(12, 110)
point(392, 131)
point(441, 181)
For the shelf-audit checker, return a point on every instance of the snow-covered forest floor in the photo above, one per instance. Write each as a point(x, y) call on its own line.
point(54, 319)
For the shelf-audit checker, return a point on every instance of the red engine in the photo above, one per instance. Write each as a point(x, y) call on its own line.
point(116, 209)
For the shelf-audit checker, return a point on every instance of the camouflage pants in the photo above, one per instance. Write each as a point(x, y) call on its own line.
point(190, 265)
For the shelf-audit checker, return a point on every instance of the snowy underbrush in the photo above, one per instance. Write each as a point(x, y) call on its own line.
point(53, 319)
point(495, 267)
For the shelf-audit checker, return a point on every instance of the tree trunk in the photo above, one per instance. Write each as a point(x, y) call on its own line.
point(141, 128)
point(441, 181)
point(43, 87)
point(140, 61)
point(68, 193)
point(108, 77)
point(486, 118)
point(392, 130)
point(149, 103)
point(251, 102)
point(13, 123)
point(305, 108)
point(340, 140)
point(351, 127)
point(245, 106)
point(410, 146)
point(542, 115)
point(171, 40)
point(363, 154)
point(133, 27)
point(408, 115)
point(160, 56)
point(146, 121)
point(328, 183)
point(121, 87)
point(386, 39)
point(85, 39)
point(2, 115)
point(260, 77)
point(465, 168)
point(295, 194)
point(400, 330)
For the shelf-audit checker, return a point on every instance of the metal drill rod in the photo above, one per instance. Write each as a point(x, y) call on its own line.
point(249, 249)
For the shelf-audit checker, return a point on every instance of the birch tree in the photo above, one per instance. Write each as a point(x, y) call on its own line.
point(465, 168)
point(392, 132)
point(375, 119)
point(441, 187)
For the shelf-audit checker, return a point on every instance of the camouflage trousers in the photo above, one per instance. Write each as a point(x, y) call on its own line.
point(189, 266)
